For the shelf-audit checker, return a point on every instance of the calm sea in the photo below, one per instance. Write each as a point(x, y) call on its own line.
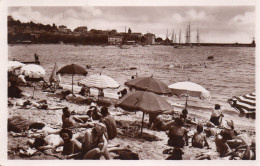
point(231, 73)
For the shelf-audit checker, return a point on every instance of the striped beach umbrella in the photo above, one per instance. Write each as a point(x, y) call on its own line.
point(99, 81)
point(244, 104)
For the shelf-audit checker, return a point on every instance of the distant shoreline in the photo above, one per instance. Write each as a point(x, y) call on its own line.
point(182, 44)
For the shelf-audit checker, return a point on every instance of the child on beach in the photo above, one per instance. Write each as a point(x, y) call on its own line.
point(199, 138)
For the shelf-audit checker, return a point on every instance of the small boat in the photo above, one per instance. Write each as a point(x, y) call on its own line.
point(210, 57)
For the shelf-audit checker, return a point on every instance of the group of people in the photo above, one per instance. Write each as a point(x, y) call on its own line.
point(229, 143)
point(99, 127)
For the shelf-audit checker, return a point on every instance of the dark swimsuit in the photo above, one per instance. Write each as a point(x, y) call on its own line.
point(176, 141)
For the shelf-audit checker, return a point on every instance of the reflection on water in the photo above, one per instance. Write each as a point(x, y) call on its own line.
point(232, 72)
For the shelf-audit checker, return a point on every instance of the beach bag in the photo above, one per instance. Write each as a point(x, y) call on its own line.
point(18, 124)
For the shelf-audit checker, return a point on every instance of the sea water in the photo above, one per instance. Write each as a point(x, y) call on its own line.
point(231, 73)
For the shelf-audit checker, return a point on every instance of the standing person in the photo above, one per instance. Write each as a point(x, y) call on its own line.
point(70, 146)
point(216, 115)
point(177, 134)
point(110, 123)
point(199, 138)
point(94, 144)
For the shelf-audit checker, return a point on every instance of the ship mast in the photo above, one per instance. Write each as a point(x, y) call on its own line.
point(198, 37)
point(180, 37)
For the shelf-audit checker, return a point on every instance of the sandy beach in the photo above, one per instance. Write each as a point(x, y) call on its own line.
point(149, 146)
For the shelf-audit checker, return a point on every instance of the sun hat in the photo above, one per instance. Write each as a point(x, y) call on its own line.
point(100, 128)
point(228, 124)
point(92, 105)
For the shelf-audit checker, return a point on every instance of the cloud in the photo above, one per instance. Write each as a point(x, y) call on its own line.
point(246, 18)
point(177, 17)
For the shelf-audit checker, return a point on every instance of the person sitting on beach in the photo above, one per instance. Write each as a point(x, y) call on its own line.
point(199, 138)
point(14, 91)
point(222, 146)
point(93, 112)
point(85, 91)
point(176, 154)
point(233, 139)
point(101, 93)
point(152, 117)
point(184, 114)
point(122, 93)
point(216, 115)
point(69, 121)
point(110, 123)
point(177, 134)
point(94, 144)
point(229, 129)
point(71, 146)
point(160, 125)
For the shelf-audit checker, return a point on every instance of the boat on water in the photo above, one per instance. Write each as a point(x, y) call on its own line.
point(210, 58)
point(36, 60)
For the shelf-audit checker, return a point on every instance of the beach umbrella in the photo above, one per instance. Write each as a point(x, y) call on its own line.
point(99, 81)
point(14, 65)
point(33, 71)
point(189, 89)
point(245, 104)
point(149, 84)
point(72, 69)
point(147, 102)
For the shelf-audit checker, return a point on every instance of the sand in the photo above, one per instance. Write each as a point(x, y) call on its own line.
point(149, 146)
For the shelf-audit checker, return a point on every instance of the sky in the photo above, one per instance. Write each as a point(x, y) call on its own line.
point(216, 24)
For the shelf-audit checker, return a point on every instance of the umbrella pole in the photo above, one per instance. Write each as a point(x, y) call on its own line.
point(142, 124)
point(33, 90)
point(186, 104)
point(72, 83)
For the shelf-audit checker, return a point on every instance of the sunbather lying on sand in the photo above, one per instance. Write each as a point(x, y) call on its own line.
point(51, 141)
point(41, 104)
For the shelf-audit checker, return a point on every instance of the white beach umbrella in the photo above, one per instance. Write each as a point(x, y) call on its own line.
point(99, 81)
point(14, 65)
point(189, 89)
point(33, 71)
